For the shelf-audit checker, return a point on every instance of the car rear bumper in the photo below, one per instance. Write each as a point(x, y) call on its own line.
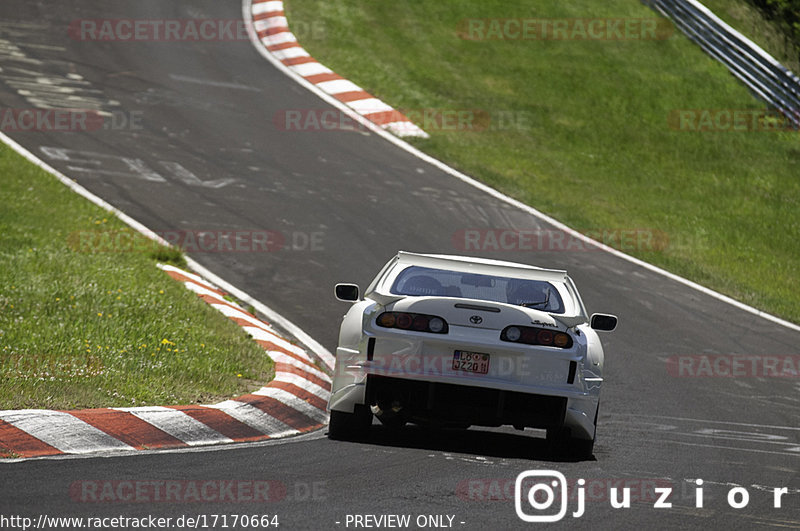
point(462, 404)
point(420, 400)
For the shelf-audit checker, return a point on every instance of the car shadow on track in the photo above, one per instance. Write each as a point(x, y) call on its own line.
point(476, 441)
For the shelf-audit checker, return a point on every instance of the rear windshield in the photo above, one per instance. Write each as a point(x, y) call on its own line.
point(424, 281)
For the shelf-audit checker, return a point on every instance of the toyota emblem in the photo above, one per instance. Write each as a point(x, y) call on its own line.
point(476, 319)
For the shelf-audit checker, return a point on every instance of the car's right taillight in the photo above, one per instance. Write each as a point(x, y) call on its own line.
point(530, 335)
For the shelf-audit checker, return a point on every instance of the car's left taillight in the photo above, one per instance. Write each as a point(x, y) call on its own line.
point(418, 322)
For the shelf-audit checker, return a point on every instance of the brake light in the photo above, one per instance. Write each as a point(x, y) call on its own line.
point(403, 320)
point(536, 336)
point(544, 337)
point(413, 321)
point(420, 323)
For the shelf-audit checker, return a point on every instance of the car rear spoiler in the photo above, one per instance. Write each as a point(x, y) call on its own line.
point(384, 299)
point(569, 320)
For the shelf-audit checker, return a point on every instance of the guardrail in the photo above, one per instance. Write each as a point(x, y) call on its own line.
point(765, 76)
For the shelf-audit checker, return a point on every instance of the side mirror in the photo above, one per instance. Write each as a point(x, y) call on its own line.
point(347, 292)
point(603, 322)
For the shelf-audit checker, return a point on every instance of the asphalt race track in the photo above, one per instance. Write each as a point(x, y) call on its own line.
point(206, 155)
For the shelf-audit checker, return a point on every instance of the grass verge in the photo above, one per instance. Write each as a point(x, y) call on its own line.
point(80, 330)
point(748, 21)
point(592, 138)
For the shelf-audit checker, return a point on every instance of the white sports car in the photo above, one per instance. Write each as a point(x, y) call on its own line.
point(457, 341)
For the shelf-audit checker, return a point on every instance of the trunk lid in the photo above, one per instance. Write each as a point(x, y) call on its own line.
point(472, 313)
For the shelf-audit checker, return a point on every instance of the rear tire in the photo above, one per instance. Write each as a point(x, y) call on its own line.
point(353, 426)
point(581, 448)
point(561, 442)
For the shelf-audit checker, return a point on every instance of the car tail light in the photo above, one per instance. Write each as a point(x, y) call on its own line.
point(387, 320)
point(562, 340)
point(413, 321)
point(403, 320)
point(420, 323)
point(544, 337)
point(513, 333)
point(436, 325)
point(536, 336)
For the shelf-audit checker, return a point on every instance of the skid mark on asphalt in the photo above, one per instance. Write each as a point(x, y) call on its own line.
point(58, 88)
point(718, 434)
point(211, 83)
point(100, 164)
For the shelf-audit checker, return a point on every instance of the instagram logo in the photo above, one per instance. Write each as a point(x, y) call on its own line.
point(539, 488)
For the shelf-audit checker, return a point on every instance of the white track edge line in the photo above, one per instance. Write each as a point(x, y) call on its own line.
point(80, 190)
point(246, 4)
point(273, 317)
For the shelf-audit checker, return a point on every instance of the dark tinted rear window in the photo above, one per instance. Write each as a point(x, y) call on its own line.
point(424, 281)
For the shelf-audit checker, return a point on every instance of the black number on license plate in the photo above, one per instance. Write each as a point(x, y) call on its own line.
point(474, 362)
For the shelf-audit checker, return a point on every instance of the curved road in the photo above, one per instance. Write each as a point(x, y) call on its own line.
point(205, 154)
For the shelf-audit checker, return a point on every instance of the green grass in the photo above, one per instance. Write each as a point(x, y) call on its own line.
point(592, 145)
point(747, 20)
point(81, 329)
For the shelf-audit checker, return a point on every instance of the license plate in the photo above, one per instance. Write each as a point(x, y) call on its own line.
point(474, 362)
